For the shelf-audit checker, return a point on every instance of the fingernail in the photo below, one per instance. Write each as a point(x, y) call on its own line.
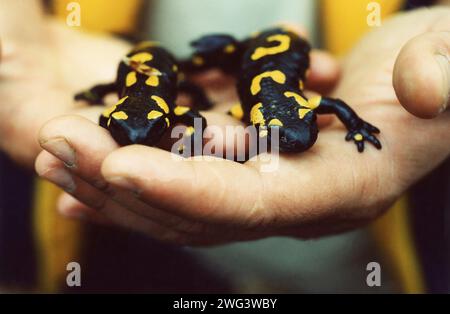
point(61, 149)
point(444, 64)
point(62, 178)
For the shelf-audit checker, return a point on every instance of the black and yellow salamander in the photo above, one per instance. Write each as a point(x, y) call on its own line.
point(148, 81)
point(271, 68)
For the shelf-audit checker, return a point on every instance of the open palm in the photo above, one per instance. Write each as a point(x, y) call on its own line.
point(328, 189)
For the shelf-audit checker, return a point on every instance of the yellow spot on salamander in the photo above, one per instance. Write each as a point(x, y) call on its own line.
point(358, 137)
point(120, 115)
point(299, 99)
point(302, 112)
point(276, 75)
point(141, 57)
point(143, 69)
point(167, 122)
point(230, 48)
point(131, 79)
point(198, 60)
point(301, 85)
point(180, 110)
point(315, 102)
point(237, 112)
point(121, 100)
point(189, 131)
point(275, 122)
point(175, 68)
point(256, 116)
point(161, 103)
point(152, 80)
point(284, 44)
point(107, 112)
point(154, 114)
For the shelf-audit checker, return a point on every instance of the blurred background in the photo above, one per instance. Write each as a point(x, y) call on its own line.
point(36, 244)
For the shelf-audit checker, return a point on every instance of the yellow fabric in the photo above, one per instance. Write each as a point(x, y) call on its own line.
point(58, 240)
point(117, 16)
point(393, 236)
point(344, 22)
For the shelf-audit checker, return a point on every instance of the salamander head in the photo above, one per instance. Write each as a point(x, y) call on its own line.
point(210, 49)
point(130, 123)
point(295, 138)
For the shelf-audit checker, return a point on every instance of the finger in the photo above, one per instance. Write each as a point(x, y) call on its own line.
point(92, 204)
point(80, 144)
point(70, 207)
point(422, 74)
point(204, 191)
point(324, 69)
point(53, 170)
point(349, 136)
point(83, 201)
point(324, 72)
point(360, 146)
point(374, 141)
point(81, 147)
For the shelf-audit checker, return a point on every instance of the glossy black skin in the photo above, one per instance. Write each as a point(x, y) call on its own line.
point(137, 128)
point(297, 134)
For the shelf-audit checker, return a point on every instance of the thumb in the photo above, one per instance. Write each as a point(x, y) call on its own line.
point(422, 74)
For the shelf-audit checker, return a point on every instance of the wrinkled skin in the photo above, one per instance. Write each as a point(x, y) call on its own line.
point(328, 189)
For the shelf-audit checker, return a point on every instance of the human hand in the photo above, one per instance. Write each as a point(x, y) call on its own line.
point(330, 188)
point(42, 64)
point(422, 73)
point(78, 167)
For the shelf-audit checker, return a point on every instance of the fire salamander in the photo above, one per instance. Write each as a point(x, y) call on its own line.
point(147, 83)
point(271, 68)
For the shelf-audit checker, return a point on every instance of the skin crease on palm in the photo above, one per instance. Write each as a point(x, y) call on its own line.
point(331, 188)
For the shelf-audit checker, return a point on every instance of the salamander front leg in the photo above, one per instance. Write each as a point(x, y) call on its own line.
point(95, 95)
point(192, 119)
point(358, 129)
